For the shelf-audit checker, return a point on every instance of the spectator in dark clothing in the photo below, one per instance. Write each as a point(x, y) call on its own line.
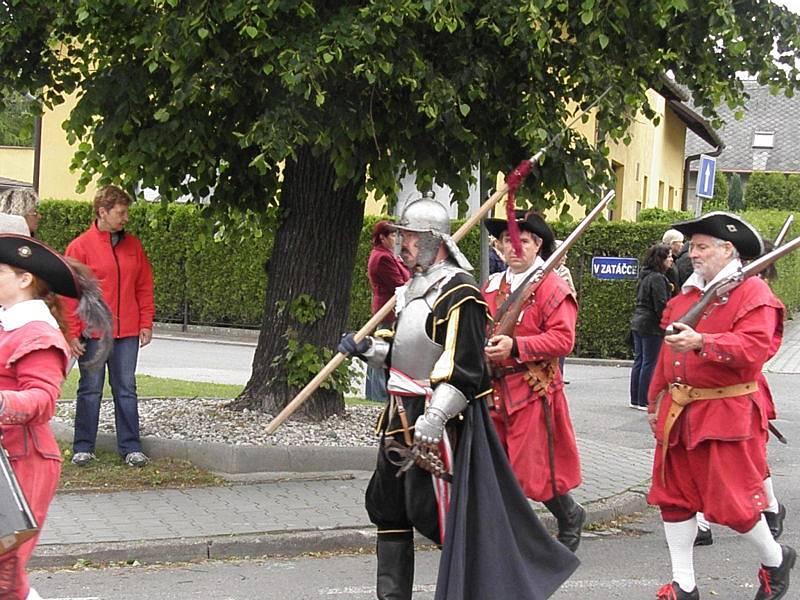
point(496, 262)
point(683, 265)
point(652, 294)
point(386, 272)
point(674, 240)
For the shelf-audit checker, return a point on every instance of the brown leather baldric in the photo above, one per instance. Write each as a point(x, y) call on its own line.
point(682, 395)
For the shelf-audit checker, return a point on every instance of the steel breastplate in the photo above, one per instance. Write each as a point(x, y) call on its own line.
point(413, 352)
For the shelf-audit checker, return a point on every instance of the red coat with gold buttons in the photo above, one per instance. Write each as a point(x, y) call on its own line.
point(739, 336)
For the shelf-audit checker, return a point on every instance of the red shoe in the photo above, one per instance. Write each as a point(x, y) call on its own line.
point(672, 591)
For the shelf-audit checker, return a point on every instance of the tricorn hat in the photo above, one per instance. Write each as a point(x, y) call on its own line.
point(39, 259)
point(527, 221)
point(728, 227)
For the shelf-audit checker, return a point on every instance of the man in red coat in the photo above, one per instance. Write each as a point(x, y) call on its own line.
point(529, 409)
point(708, 412)
point(121, 265)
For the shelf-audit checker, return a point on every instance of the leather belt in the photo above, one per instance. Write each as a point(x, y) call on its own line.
point(499, 372)
point(682, 395)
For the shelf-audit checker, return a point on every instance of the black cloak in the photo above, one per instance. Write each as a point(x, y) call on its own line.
point(495, 548)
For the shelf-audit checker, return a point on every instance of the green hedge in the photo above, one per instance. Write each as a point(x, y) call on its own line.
point(203, 281)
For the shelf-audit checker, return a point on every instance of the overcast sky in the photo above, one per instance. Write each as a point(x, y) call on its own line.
point(793, 5)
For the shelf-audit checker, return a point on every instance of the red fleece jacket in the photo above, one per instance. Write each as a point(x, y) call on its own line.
point(125, 277)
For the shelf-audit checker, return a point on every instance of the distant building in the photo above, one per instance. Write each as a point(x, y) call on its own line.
point(767, 139)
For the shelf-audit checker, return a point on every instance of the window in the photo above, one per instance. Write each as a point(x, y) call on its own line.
point(764, 139)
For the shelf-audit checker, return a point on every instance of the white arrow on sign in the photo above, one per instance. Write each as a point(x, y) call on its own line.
point(706, 176)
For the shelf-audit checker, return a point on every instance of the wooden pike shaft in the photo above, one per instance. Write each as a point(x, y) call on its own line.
point(378, 317)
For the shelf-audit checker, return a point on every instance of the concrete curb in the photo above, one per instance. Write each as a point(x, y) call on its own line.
point(230, 458)
point(280, 543)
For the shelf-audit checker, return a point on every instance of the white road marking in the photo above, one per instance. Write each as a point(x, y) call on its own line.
point(578, 584)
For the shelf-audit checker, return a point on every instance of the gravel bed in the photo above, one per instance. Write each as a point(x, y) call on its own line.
point(210, 420)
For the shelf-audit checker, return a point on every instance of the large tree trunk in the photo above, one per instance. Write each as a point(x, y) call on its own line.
point(314, 254)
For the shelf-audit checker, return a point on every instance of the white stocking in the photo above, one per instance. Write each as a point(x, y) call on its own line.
point(680, 539)
point(769, 551)
point(773, 501)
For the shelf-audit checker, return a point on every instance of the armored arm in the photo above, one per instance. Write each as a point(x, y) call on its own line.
point(446, 402)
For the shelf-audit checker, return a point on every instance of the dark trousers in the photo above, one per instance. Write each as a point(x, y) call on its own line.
point(409, 501)
point(121, 365)
point(645, 353)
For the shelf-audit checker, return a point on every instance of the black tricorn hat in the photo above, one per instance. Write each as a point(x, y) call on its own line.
point(527, 221)
point(728, 227)
point(41, 260)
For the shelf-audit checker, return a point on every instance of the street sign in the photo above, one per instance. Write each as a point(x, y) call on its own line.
point(706, 176)
point(615, 267)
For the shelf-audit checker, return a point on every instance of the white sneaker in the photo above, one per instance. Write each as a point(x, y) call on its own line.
point(33, 595)
point(136, 459)
point(82, 459)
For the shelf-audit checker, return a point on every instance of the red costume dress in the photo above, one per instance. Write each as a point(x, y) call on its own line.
point(545, 332)
point(716, 460)
point(33, 360)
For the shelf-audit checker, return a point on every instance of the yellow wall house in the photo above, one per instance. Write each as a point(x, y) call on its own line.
point(55, 178)
point(651, 170)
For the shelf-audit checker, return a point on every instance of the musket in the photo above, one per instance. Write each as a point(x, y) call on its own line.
point(725, 286)
point(507, 315)
point(379, 316)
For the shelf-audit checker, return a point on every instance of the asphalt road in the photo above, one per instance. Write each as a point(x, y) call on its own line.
point(627, 563)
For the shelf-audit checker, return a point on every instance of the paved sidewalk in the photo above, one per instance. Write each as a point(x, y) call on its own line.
point(301, 514)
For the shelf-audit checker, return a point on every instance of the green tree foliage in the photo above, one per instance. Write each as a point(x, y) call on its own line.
point(720, 199)
point(315, 103)
point(772, 190)
point(659, 215)
point(16, 120)
point(793, 191)
point(736, 194)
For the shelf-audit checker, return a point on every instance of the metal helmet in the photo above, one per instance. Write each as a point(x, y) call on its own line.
point(425, 215)
point(431, 221)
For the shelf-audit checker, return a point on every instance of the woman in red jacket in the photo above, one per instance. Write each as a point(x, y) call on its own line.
point(33, 361)
point(120, 264)
point(386, 272)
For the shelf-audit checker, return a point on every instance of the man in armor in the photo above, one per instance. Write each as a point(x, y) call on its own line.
point(437, 383)
point(529, 408)
point(709, 412)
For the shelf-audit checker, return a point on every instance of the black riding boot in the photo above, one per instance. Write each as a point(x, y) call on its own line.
point(395, 565)
point(570, 517)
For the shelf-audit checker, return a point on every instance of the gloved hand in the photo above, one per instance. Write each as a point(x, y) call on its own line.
point(348, 345)
point(429, 427)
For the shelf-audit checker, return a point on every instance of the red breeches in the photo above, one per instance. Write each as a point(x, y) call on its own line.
point(38, 478)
